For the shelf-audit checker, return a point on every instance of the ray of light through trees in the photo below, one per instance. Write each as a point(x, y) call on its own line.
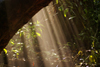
point(53, 38)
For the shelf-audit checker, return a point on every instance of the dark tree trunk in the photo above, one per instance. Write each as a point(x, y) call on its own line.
point(14, 14)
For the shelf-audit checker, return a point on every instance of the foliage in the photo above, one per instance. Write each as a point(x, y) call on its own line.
point(90, 35)
point(5, 51)
point(16, 46)
point(91, 31)
point(90, 12)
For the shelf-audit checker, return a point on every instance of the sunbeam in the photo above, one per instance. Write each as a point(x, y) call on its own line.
point(51, 38)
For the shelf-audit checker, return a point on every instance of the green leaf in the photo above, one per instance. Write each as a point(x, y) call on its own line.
point(38, 34)
point(65, 12)
point(20, 34)
point(15, 51)
point(5, 51)
point(38, 22)
point(12, 42)
point(56, 1)
point(80, 52)
point(91, 58)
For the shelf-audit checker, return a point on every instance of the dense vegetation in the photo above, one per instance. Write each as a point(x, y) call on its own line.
point(89, 12)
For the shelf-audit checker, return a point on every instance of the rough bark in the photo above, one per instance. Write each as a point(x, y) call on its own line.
point(14, 14)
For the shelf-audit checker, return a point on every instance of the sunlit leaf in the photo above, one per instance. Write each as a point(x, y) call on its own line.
point(91, 58)
point(19, 30)
point(80, 52)
point(12, 42)
point(5, 51)
point(15, 51)
point(81, 63)
point(38, 22)
point(56, 1)
point(30, 23)
point(93, 53)
point(96, 51)
point(65, 12)
point(33, 26)
point(17, 33)
point(38, 34)
point(20, 34)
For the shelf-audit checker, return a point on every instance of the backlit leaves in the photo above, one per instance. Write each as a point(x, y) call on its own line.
point(56, 1)
point(92, 59)
point(12, 42)
point(15, 51)
point(65, 12)
point(38, 34)
point(5, 51)
point(80, 52)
